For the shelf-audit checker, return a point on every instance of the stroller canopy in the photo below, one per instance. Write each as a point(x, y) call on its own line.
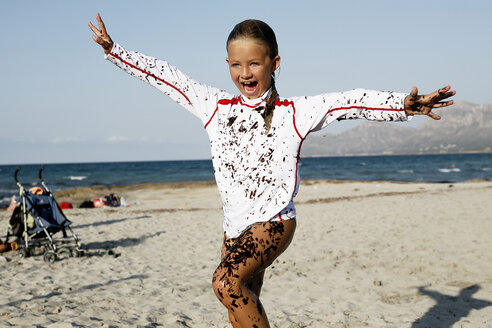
point(46, 209)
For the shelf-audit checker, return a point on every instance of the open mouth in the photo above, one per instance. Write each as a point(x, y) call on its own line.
point(250, 87)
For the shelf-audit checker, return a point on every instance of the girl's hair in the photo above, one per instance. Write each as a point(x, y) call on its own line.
point(260, 31)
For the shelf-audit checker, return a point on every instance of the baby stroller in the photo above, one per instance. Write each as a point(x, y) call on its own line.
point(35, 222)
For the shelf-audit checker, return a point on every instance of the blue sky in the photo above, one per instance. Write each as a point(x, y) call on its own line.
point(62, 102)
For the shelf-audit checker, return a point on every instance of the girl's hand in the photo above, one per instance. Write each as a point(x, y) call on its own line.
point(424, 104)
point(101, 36)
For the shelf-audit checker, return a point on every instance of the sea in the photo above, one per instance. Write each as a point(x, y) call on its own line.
point(442, 168)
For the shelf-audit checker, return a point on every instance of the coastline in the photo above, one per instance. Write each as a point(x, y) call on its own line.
point(77, 195)
point(424, 168)
point(377, 254)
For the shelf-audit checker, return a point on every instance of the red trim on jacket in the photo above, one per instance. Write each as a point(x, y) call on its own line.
point(286, 103)
point(212, 116)
point(150, 74)
point(250, 106)
point(368, 108)
point(232, 101)
point(294, 121)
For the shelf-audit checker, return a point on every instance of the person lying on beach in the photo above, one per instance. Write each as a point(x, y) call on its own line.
point(255, 140)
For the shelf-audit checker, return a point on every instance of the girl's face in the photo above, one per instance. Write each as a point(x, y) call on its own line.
point(250, 66)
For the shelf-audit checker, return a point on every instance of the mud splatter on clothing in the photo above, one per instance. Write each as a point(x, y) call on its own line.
point(257, 172)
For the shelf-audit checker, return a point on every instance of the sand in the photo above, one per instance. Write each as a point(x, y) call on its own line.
point(365, 254)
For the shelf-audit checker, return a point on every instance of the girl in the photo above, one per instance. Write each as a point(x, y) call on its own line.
point(255, 140)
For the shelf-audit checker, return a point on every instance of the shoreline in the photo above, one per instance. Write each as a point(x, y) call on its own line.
point(100, 190)
point(76, 196)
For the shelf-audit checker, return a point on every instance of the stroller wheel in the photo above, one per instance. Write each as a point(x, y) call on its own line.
point(49, 257)
point(75, 252)
point(24, 252)
point(64, 252)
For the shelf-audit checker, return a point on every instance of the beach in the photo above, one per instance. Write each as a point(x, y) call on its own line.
point(365, 254)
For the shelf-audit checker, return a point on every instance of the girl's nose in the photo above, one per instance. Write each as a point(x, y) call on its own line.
point(245, 73)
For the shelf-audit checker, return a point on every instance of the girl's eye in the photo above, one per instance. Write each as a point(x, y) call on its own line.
point(254, 64)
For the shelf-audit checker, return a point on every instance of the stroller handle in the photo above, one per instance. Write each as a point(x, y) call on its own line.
point(15, 175)
point(40, 174)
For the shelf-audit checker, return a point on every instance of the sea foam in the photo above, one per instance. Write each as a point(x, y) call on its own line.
point(77, 178)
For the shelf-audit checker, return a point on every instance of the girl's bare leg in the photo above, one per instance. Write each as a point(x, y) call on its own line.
point(254, 284)
point(240, 273)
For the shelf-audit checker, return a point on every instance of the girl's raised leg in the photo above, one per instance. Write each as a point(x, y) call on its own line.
point(240, 274)
point(254, 284)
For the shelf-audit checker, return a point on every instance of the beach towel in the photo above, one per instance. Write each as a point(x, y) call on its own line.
point(65, 205)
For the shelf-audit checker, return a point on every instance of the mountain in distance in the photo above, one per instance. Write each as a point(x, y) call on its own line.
point(463, 128)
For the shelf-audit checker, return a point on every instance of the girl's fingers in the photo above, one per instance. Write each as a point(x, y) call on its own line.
point(435, 98)
point(445, 89)
point(443, 104)
point(100, 36)
point(444, 93)
point(424, 104)
point(101, 24)
point(101, 32)
point(94, 29)
point(99, 21)
point(447, 95)
point(434, 116)
point(98, 40)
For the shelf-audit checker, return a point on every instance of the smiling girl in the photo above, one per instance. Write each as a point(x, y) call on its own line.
point(255, 140)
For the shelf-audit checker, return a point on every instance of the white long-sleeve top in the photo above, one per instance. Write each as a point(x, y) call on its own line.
point(256, 171)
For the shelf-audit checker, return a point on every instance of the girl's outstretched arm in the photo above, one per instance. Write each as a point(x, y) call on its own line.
point(198, 98)
point(101, 36)
point(424, 104)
